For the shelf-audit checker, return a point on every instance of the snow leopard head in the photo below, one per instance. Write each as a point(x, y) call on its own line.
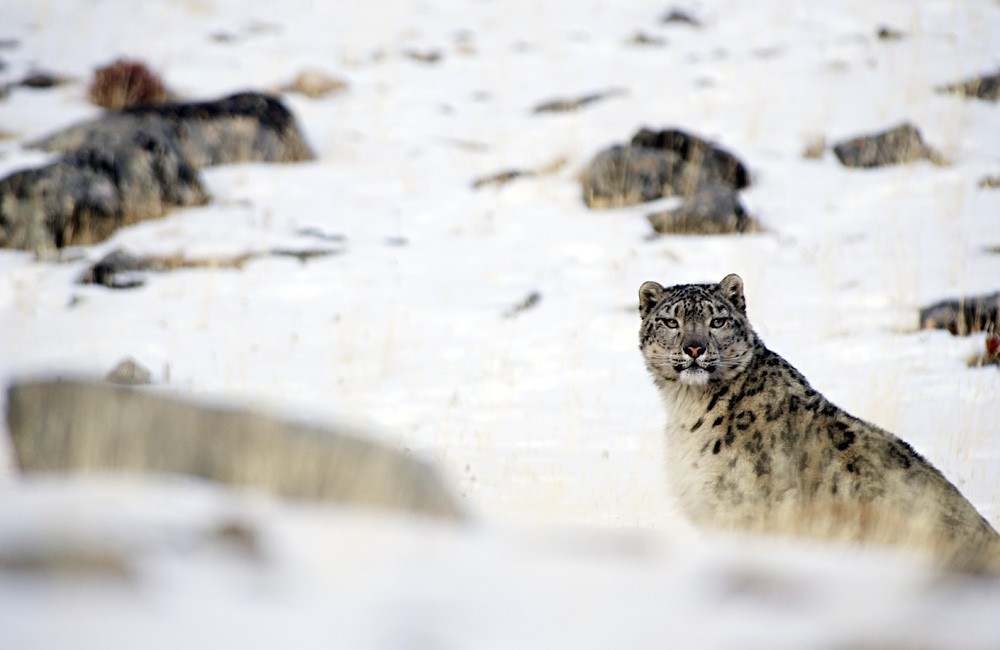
point(695, 334)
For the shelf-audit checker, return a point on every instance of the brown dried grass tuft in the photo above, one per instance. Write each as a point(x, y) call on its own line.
point(126, 83)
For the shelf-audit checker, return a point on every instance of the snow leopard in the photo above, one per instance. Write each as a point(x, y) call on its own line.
point(752, 446)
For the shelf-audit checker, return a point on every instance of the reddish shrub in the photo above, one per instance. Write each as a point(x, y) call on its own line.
point(126, 83)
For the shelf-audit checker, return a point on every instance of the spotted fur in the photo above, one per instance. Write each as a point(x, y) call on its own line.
point(751, 445)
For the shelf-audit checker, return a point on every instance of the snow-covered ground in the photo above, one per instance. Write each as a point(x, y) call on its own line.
point(544, 423)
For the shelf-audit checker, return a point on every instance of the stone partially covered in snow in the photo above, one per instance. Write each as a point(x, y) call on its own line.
point(108, 179)
point(245, 127)
point(710, 211)
point(656, 164)
point(984, 86)
point(964, 315)
point(129, 372)
point(895, 146)
point(136, 164)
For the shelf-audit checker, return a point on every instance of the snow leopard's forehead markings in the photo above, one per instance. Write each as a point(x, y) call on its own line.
point(692, 301)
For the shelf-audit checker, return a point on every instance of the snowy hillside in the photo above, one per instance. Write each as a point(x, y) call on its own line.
point(542, 419)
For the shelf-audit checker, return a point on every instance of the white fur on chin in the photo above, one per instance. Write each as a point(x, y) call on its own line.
point(694, 376)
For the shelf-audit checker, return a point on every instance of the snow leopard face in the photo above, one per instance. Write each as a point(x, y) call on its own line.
point(695, 334)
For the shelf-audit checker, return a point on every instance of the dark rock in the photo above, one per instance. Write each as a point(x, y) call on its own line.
point(984, 86)
point(900, 144)
point(657, 164)
point(137, 164)
point(500, 178)
point(107, 181)
point(647, 40)
point(429, 57)
point(121, 269)
point(887, 33)
point(680, 17)
point(41, 80)
point(129, 372)
point(572, 104)
point(718, 164)
point(710, 211)
point(625, 175)
point(529, 302)
point(964, 315)
point(80, 426)
point(989, 182)
point(303, 255)
point(245, 127)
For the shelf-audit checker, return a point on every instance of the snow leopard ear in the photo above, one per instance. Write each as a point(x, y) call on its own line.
point(649, 294)
point(731, 288)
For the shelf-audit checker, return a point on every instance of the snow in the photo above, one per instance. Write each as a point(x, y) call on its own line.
point(544, 423)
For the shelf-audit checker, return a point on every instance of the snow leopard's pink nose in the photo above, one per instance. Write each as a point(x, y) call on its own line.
point(694, 351)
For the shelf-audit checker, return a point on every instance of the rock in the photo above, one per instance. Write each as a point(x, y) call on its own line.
point(984, 86)
point(119, 269)
point(718, 164)
point(964, 315)
point(129, 372)
point(137, 164)
point(887, 33)
point(709, 211)
point(625, 175)
point(315, 84)
point(108, 180)
point(501, 178)
point(657, 164)
point(989, 182)
point(429, 56)
point(529, 302)
point(900, 144)
point(245, 127)
point(564, 105)
point(646, 40)
point(41, 80)
point(680, 17)
point(81, 426)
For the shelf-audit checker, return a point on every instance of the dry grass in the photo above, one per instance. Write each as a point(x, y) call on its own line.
point(815, 148)
point(126, 83)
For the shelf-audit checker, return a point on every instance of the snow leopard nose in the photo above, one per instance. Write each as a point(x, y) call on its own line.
point(694, 350)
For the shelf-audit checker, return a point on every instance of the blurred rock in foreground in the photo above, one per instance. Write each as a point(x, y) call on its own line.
point(82, 426)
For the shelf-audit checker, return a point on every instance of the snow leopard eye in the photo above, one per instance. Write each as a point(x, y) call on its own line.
point(718, 322)
point(671, 323)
